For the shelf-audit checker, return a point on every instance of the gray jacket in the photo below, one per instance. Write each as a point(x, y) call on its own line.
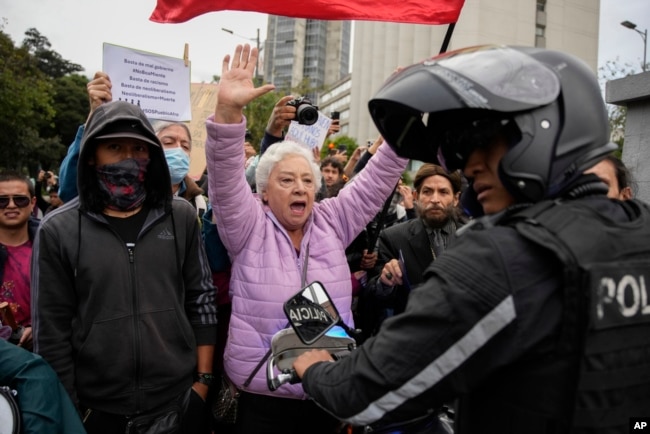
point(120, 324)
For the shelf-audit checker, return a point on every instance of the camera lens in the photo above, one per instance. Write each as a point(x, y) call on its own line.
point(307, 114)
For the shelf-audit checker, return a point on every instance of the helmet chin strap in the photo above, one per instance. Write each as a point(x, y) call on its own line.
point(586, 185)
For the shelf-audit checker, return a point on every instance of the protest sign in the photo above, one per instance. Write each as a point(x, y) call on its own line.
point(311, 135)
point(160, 85)
point(204, 100)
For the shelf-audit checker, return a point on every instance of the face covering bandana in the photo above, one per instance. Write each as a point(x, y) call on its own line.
point(123, 182)
point(179, 164)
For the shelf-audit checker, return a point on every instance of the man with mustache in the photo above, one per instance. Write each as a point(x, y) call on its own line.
point(420, 241)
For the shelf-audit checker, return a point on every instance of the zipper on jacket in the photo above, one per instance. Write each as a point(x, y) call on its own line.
point(130, 247)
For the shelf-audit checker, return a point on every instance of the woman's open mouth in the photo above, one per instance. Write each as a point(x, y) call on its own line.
point(298, 207)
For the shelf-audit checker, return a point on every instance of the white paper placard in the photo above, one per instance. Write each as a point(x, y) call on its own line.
point(312, 136)
point(160, 85)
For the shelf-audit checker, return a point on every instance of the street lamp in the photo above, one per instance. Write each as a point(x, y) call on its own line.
point(257, 40)
point(630, 25)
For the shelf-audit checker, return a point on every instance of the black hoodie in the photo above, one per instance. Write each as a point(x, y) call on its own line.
point(104, 120)
point(120, 324)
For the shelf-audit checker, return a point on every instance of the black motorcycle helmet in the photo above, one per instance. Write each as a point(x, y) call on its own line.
point(546, 103)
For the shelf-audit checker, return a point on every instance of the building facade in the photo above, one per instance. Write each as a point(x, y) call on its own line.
point(380, 48)
point(337, 98)
point(300, 48)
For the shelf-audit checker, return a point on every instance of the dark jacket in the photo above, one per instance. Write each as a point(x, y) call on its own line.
point(44, 404)
point(194, 195)
point(484, 328)
point(411, 239)
point(120, 324)
point(379, 301)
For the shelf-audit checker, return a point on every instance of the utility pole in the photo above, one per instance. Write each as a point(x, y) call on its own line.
point(257, 67)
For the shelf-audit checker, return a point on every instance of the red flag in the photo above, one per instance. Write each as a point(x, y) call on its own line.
point(398, 11)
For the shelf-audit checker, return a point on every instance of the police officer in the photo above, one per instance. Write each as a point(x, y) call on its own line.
point(537, 318)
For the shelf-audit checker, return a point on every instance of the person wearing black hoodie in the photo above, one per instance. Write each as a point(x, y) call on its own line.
point(123, 303)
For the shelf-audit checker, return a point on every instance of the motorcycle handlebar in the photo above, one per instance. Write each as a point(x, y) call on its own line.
point(288, 376)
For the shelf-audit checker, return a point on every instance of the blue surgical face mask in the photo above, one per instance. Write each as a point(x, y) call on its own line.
point(179, 164)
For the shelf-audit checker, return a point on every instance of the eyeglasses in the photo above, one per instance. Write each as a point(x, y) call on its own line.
point(19, 200)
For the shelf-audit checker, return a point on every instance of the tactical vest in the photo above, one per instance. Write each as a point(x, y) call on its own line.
point(607, 306)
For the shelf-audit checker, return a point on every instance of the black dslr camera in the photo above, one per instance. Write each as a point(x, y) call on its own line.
point(306, 113)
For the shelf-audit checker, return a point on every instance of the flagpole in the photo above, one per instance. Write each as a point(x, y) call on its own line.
point(445, 42)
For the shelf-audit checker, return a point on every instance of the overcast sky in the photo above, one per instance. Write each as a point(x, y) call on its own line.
point(77, 29)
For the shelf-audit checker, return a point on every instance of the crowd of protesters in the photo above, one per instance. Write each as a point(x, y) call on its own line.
point(137, 292)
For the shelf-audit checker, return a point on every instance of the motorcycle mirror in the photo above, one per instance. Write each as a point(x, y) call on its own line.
point(311, 312)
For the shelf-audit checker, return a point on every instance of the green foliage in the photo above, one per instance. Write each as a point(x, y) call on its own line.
point(71, 106)
point(47, 60)
point(257, 115)
point(41, 104)
point(304, 88)
point(407, 179)
point(26, 98)
point(349, 142)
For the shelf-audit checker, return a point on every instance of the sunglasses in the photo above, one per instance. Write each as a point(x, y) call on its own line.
point(19, 200)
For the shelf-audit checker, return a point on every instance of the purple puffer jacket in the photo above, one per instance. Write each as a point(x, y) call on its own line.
point(266, 270)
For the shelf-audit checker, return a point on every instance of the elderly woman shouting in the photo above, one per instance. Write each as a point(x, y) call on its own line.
point(279, 244)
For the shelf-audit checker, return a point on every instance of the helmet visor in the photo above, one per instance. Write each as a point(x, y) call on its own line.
point(423, 103)
point(457, 141)
point(504, 72)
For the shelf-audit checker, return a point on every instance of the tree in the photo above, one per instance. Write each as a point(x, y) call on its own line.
point(48, 60)
point(71, 106)
point(25, 104)
point(349, 143)
point(41, 103)
point(257, 114)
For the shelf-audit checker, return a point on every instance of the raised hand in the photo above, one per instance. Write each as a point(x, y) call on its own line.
point(99, 91)
point(334, 127)
point(407, 195)
point(236, 87)
point(281, 116)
